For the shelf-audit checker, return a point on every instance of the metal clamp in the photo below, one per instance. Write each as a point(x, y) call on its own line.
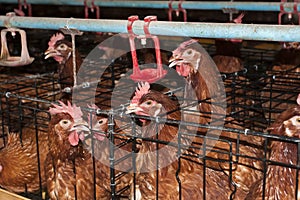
point(91, 6)
point(290, 13)
point(150, 75)
point(177, 11)
point(23, 4)
point(230, 11)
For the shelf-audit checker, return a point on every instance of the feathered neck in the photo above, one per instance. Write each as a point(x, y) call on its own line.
point(284, 152)
point(68, 62)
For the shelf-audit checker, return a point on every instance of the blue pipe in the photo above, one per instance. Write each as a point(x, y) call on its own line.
point(197, 5)
point(263, 32)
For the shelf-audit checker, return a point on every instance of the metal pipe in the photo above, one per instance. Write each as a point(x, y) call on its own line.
point(286, 33)
point(196, 5)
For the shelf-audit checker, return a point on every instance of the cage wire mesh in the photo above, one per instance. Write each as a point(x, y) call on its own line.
point(254, 96)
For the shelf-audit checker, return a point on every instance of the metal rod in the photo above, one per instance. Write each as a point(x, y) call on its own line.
point(196, 5)
point(74, 60)
point(111, 127)
point(286, 33)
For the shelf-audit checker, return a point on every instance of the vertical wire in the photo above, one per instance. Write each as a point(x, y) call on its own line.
point(74, 59)
point(297, 170)
point(74, 170)
point(7, 94)
point(111, 125)
point(2, 123)
point(93, 152)
point(204, 168)
point(134, 137)
point(179, 163)
point(157, 157)
point(230, 171)
point(265, 168)
point(20, 129)
point(270, 98)
point(37, 138)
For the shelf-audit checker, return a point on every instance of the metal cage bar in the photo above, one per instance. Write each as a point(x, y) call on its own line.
point(195, 5)
point(263, 32)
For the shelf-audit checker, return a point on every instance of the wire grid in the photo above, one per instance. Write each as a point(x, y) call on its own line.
point(254, 101)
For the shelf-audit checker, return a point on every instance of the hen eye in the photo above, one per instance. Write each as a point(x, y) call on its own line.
point(298, 120)
point(100, 121)
point(148, 103)
point(189, 52)
point(64, 123)
point(62, 47)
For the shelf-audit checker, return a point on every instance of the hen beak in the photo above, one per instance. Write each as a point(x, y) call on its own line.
point(80, 126)
point(133, 108)
point(175, 61)
point(51, 53)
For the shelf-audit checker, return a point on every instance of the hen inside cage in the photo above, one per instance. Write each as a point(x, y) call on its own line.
point(131, 153)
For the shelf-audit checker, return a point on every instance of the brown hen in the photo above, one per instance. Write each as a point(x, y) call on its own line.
point(20, 162)
point(203, 84)
point(164, 166)
point(61, 50)
point(68, 165)
point(281, 181)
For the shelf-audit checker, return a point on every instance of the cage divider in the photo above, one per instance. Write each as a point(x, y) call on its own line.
point(297, 170)
point(157, 156)
point(111, 125)
point(93, 151)
point(265, 167)
point(134, 143)
point(179, 162)
point(204, 168)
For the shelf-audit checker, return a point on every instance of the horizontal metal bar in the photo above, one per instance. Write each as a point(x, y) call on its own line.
point(196, 5)
point(186, 29)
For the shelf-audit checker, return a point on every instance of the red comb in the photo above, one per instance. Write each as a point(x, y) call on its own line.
point(142, 88)
point(74, 111)
point(184, 45)
point(56, 37)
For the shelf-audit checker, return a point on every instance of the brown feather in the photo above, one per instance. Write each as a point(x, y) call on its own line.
point(19, 159)
point(190, 173)
point(19, 165)
point(63, 54)
point(66, 165)
point(203, 80)
point(280, 180)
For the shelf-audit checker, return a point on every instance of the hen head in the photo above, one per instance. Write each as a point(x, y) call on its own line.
point(292, 126)
point(59, 48)
point(67, 124)
point(186, 58)
point(291, 45)
point(150, 103)
point(288, 123)
point(98, 124)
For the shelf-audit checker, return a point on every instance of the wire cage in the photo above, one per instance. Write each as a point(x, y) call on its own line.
point(255, 98)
